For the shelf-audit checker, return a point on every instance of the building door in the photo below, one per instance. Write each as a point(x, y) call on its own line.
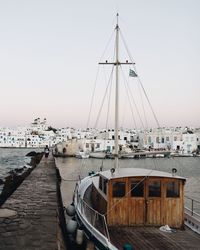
point(92, 147)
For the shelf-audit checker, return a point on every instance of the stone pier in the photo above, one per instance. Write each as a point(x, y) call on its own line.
point(29, 219)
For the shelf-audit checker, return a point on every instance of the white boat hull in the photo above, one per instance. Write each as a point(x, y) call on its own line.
point(80, 213)
point(98, 155)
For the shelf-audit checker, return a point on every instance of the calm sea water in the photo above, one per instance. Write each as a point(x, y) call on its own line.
point(72, 168)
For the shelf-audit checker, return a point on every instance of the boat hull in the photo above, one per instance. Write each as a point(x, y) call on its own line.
point(98, 155)
point(101, 241)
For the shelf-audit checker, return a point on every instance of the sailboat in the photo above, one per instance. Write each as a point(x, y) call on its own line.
point(120, 206)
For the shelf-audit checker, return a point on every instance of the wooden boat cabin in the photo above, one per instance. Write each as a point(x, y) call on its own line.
point(135, 196)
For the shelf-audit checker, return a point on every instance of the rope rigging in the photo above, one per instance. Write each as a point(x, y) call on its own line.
point(103, 100)
point(139, 80)
point(95, 83)
point(129, 93)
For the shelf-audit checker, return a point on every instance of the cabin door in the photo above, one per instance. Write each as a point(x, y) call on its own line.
point(153, 202)
point(136, 208)
point(118, 205)
point(144, 201)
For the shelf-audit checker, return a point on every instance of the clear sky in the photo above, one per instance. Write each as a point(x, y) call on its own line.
point(49, 51)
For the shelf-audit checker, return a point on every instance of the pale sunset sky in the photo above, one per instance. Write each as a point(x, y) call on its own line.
point(50, 49)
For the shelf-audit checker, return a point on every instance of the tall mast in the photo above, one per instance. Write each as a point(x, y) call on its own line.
point(117, 63)
point(117, 96)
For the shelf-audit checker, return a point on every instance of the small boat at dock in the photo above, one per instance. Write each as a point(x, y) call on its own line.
point(98, 154)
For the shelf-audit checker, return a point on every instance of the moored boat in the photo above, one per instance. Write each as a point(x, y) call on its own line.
point(98, 154)
point(82, 154)
point(128, 197)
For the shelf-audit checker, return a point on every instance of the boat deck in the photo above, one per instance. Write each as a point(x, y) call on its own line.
point(147, 237)
point(153, 238)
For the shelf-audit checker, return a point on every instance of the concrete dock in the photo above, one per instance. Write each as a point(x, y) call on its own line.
point(29, 219)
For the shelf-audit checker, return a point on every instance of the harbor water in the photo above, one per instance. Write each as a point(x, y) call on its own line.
point(71, 169)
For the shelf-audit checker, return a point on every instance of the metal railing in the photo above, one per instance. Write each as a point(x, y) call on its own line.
point(192, 205)
point(96, 219)
point(192, 214)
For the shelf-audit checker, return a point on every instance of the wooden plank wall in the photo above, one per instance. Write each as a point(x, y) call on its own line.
point(147, 210)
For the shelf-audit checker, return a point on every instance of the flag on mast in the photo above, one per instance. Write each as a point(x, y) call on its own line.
point(132, 73)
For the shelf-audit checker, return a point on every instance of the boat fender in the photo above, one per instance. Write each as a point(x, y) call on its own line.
point(70, 210)
point(79, 236)
point(71, 226)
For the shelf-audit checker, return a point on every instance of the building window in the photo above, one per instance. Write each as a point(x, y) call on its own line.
point(173, 189)
point(154, 189)
point(118, 189)
point(137, 188)
point(167, 138)
point(163, 140)
point(175, 138)
point(108, 148)
point(157, 140)
point(98, 145)
point(87, 145)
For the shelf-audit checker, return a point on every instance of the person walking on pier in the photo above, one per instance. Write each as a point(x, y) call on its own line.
point(46, 151)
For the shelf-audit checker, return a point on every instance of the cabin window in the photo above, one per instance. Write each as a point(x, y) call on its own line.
point(137, 188)
point(104, 186)
point(173, 189)
point(155, 189)
point(118, 189)
point(100, 182)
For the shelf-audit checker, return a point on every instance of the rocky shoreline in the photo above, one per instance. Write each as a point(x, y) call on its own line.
point(16, 176)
